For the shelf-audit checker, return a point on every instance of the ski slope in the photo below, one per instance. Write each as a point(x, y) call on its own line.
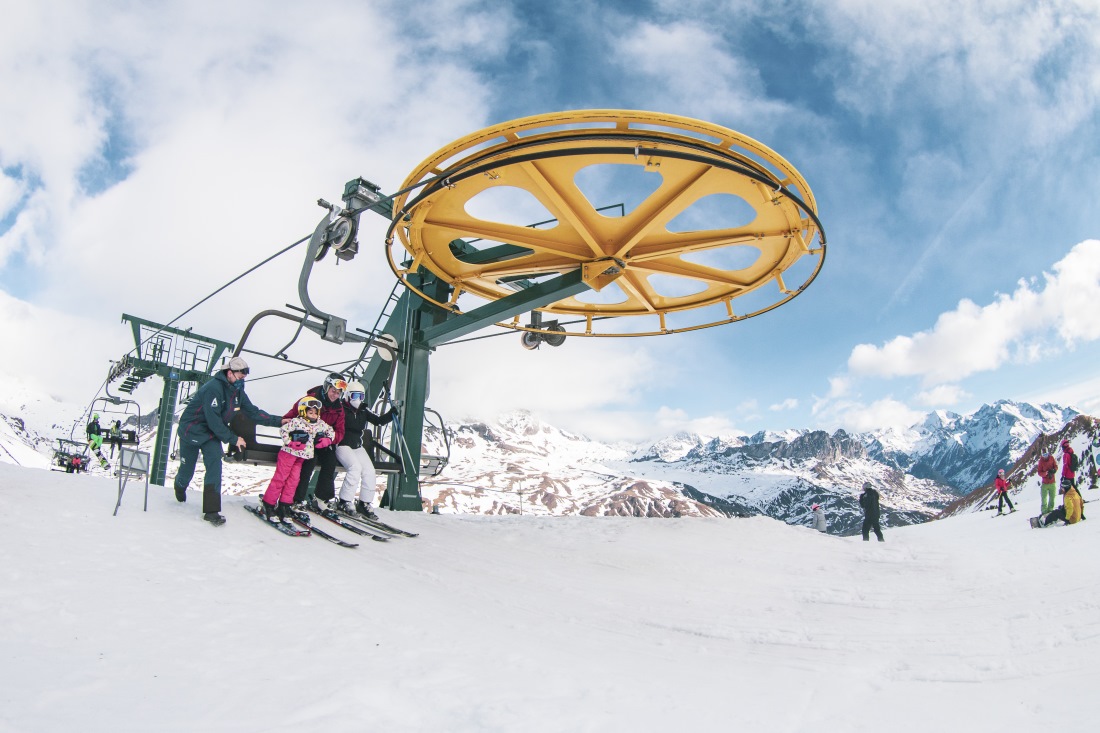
point(157, 621)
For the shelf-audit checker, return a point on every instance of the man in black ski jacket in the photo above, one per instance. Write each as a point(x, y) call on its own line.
point(204, 426)
point(869, 501)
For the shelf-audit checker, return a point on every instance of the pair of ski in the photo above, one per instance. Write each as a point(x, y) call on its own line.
point(362, 526)
point(351, 524)
point(303, 530)
point(374, 526)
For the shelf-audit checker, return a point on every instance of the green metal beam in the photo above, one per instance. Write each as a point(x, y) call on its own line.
point(536, 296)
point(159, 361)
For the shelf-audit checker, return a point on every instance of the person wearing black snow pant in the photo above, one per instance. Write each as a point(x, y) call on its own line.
point(869, 501)
point(204, 426)
point(1001, 486)
point(332, 412)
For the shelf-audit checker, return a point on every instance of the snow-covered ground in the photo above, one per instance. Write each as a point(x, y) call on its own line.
point(156, 621)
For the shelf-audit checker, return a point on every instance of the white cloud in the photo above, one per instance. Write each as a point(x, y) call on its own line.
point(856, 416)
point(943, 395)
point(1036, 61)
point(839, 386)
point(11, 191)
point(710, 83)
point(1030, 324)
point(788, 404)
point(53, 353)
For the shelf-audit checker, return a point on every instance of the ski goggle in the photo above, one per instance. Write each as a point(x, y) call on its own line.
point(357, 395)
point(311, 404)
point(339, 384)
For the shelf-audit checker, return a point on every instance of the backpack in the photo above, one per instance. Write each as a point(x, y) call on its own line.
point(1074, 462)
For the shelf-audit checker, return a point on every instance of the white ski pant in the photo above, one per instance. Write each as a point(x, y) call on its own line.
point(360, 473)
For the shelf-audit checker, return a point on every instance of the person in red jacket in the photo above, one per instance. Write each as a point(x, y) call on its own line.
point(1002, 492)
point(1048, 473)
point(332, 412)
point(1070, 464)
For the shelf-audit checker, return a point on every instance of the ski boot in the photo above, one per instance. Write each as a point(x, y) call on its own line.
point(214, 518)
point(363, 509)
point(344, 507)
point(271, 513)
point(285, 512)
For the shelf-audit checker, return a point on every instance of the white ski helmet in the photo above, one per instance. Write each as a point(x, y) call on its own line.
point(355, 393)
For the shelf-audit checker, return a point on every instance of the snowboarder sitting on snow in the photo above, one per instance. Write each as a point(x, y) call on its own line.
point(1069, 512)
point(1048, 471)
point(95, 439)
point(301, 435)
point(869, 501)
point(332, 412)
point(353, 456)
point(1002, 492)
point(819, 518)
point(204, 427)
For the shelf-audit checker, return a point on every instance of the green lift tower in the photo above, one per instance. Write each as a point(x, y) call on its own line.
point(179, 357)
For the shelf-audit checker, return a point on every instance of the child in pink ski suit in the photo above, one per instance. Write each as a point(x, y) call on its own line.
point(300, 436)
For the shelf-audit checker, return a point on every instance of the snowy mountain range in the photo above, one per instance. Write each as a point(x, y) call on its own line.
point(520, 465)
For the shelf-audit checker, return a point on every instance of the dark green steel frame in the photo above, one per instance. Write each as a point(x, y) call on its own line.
point(172, 376)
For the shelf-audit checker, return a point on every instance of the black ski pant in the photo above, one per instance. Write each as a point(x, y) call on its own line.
point(1058, 514)
point(325, 459)
point(1003, 497)
point(871, 523)
point(212, 462)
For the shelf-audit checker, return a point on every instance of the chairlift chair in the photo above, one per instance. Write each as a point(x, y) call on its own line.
point(70, 456)
point(110, 405)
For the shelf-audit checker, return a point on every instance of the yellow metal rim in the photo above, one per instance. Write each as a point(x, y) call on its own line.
point(543, 156)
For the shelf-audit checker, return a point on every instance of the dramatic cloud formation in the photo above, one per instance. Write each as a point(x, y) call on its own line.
point(1036, 320)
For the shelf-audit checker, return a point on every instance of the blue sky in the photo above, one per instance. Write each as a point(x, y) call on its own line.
point(148, 156)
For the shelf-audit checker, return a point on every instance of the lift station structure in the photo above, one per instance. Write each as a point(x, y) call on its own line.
point(653, 270)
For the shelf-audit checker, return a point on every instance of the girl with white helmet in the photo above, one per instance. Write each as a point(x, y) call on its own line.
point(353, 456)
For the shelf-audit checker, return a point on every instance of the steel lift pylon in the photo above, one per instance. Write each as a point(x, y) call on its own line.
point(462, 273)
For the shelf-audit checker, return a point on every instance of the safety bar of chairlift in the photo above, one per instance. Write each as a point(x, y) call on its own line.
point(258, 452)
point(304, 322)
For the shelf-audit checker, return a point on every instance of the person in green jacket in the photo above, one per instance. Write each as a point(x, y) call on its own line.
point(204, 426)
point(95, 440)
point(115, 436)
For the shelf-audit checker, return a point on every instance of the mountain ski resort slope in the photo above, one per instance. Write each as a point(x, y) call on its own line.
point(157, 621)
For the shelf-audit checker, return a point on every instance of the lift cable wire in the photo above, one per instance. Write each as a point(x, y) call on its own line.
point(136, 350)
point(249, 271)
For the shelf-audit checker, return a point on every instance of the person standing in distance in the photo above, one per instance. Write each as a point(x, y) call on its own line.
point(819, 518)
point(869, 501)
point(1002, 492)
point(1047, 470)
point(204, 426)
point(1070, 464)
